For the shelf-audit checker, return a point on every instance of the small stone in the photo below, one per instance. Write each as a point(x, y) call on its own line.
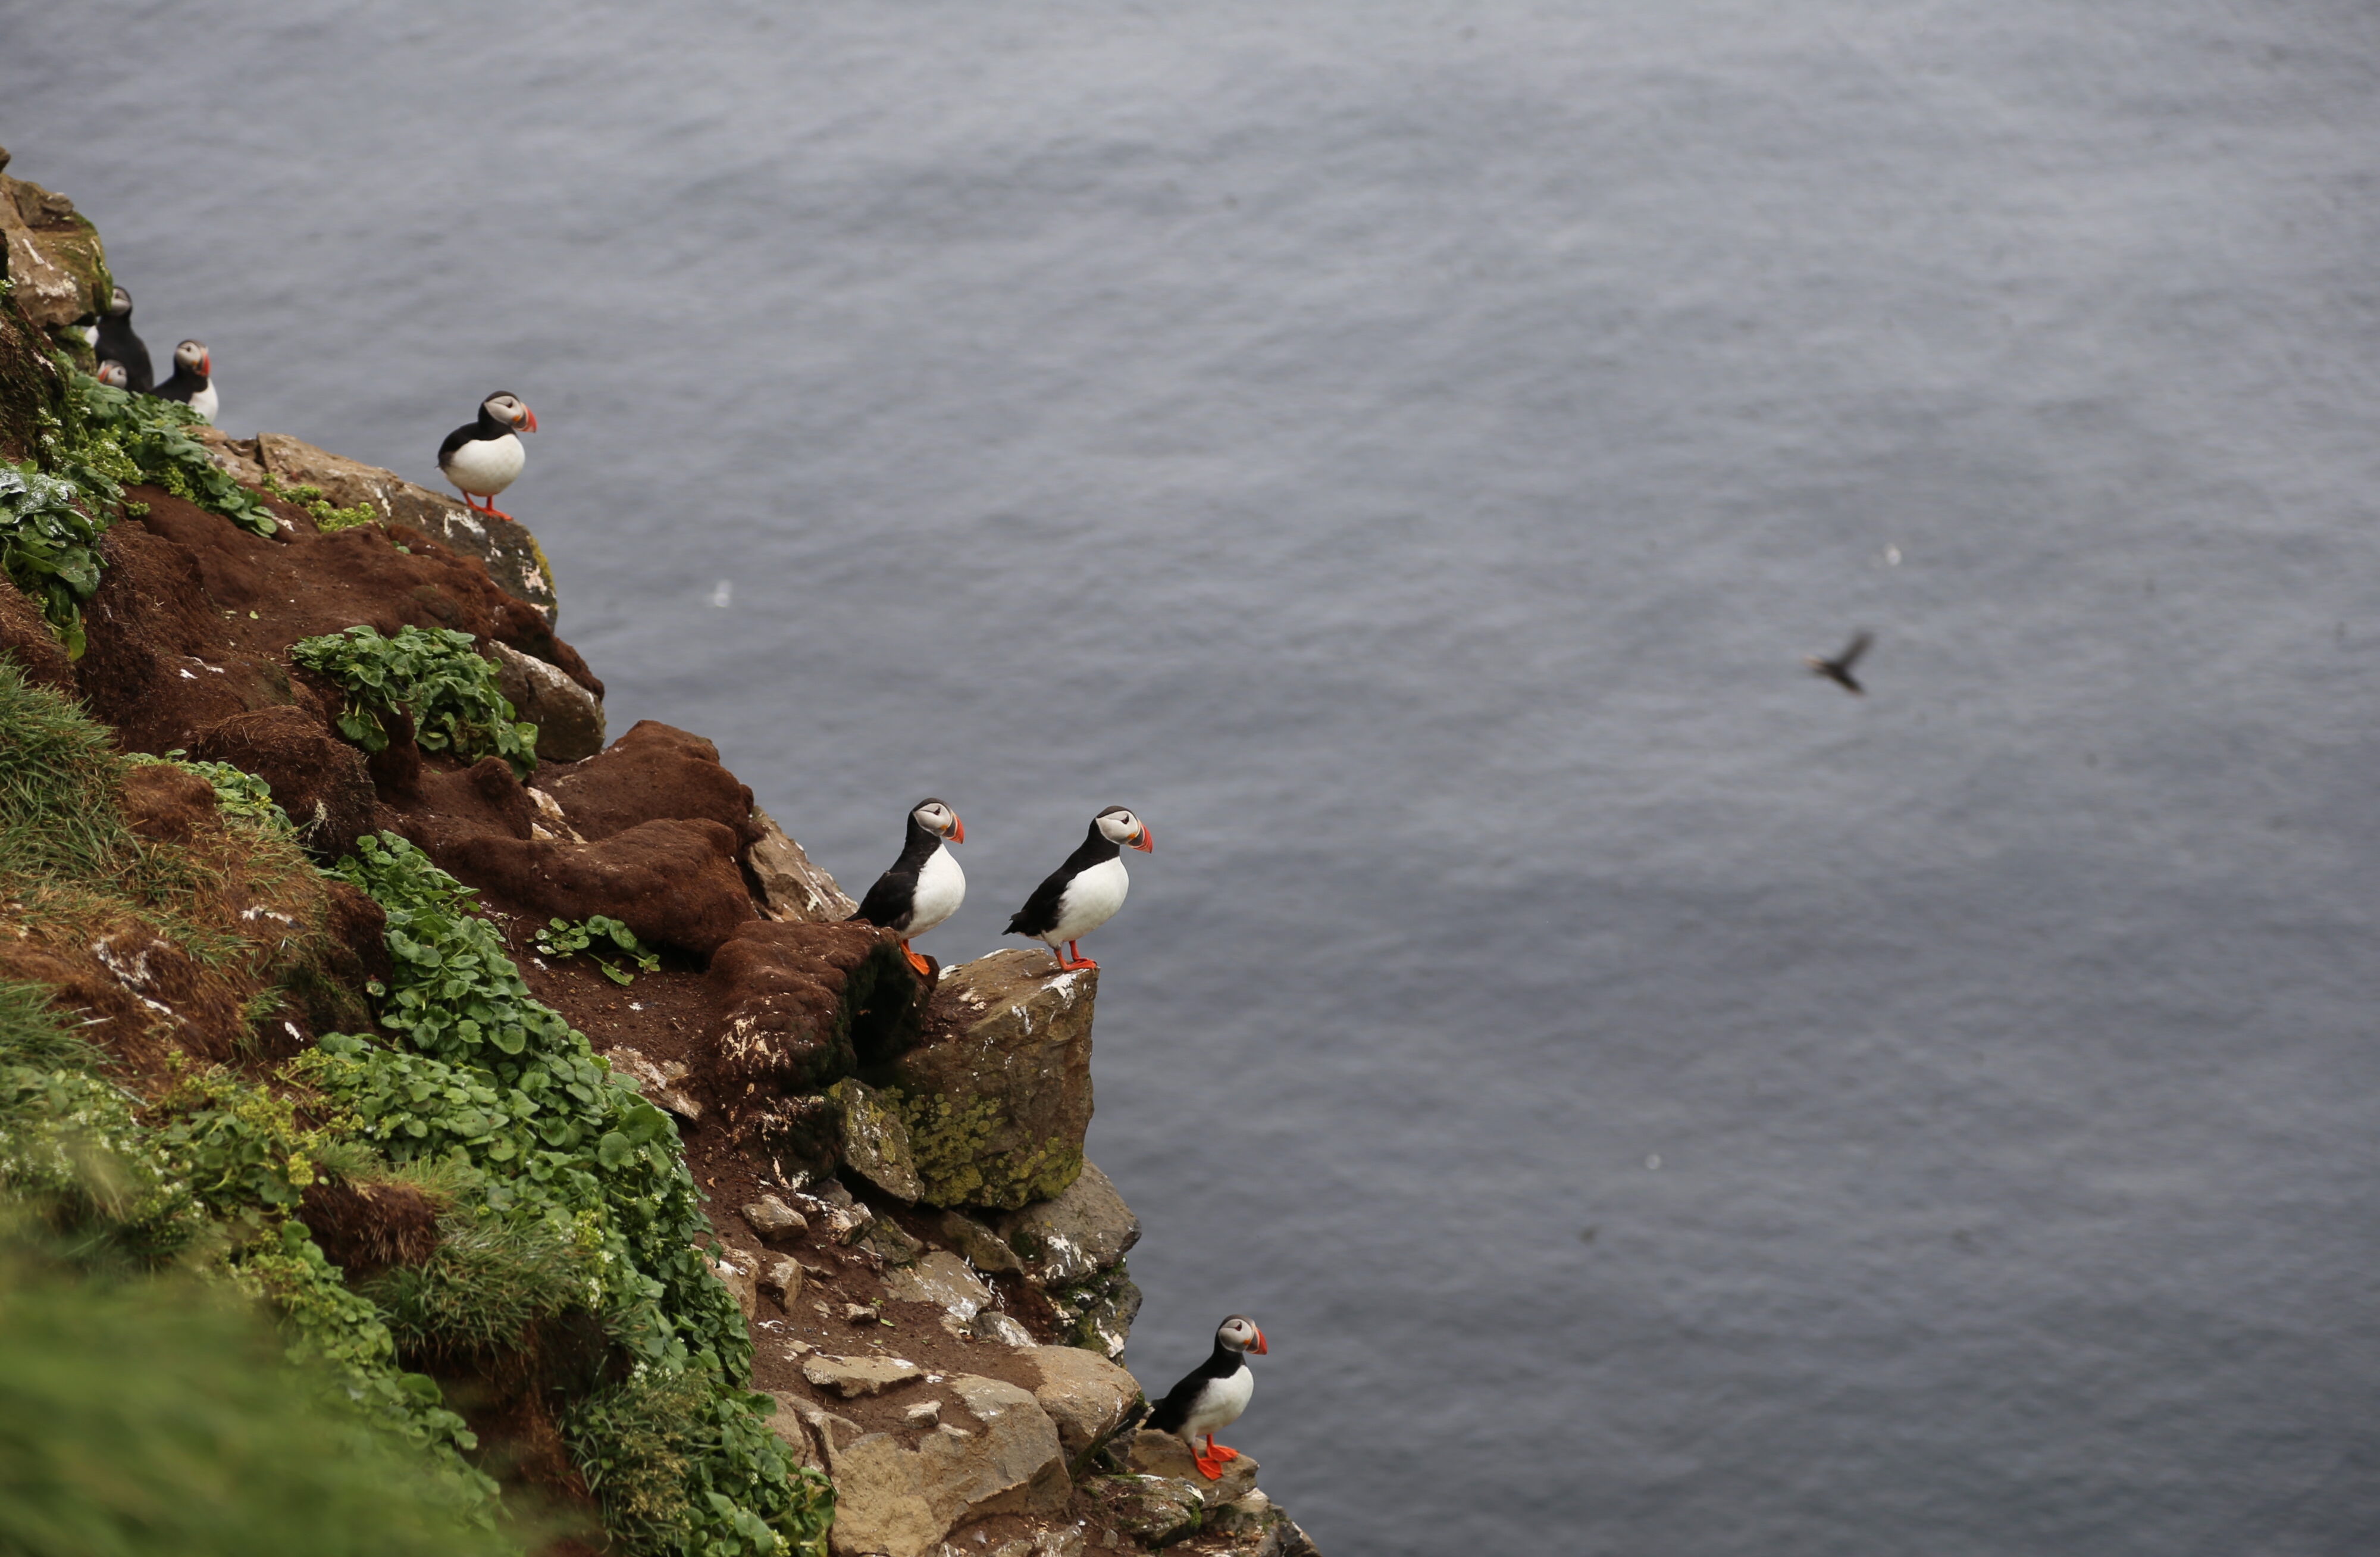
point(781, 1278)
point(891, 1243)
point(978, 1245)
point(771, 1218)
point(860, 1313)
point(853, 1377)
point(738, 1276)
point(798, 1349)
point(925, 1413)
point(993, 1325)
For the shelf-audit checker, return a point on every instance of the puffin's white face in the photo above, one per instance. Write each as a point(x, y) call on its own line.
point(1240, 1333)
point(507, 408)
point(193, 355)
point(119, 302)
point(937, 818)
point(1120, 826)
point(113, 375)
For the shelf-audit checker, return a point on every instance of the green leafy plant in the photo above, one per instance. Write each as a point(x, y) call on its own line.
point(436, 677)
point(683, 1471)
point(562, 938)
point(238, 793)
point(112, 437)
point(50, 548)
point(328, 519)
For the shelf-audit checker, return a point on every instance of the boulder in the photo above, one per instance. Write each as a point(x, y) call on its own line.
point(978, 1245)
point(1097, 1312)
point(569, 718)
point(943, 1279)
point(891, 1500)
point(781, 1278)
point(998, 1090)
point(652, 773)
point(1089, 1397)
point(1162, 1454)
point(1000, 1328)
point(57, 270)
point(318, 779)
point(890, 1243)
point(875, 1141)
point(1086, 1229)
point(853, 1377)
point(673, 882)
point(791, 887)
point(794, 1006)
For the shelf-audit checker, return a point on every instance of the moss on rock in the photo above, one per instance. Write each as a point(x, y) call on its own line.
point(951, 1142)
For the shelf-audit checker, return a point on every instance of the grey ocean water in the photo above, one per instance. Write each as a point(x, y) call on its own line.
point(1653, 1102)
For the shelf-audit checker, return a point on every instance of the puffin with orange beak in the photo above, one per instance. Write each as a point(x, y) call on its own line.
point(1085, 891)
point(925, 885)
point(485, 456)
point(1213, 1394)
point(192, 383)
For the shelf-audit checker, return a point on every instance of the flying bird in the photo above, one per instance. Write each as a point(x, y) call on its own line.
point(485, 456)
point(1839, 669)
point(1085, 891)
point(925, 885)
point(1213, 1394)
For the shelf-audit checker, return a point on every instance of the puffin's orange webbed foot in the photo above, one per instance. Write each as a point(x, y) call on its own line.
point(1211, 1469)
point(1072, 960)
point(925, 969)
point(1221, 1454)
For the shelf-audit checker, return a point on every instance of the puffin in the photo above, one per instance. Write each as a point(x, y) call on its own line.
point(485, 456)
point(925, 885)
point(191, 384)
point(116, 343)
point(1839, 669)
point(1085, 891)
point(111, 373)
point(1213, 1394)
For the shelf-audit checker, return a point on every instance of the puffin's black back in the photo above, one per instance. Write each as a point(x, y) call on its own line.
point(1174, 1409)
point(895, 891)
point(181, 387)
point(1041, 910)
point(117, 342)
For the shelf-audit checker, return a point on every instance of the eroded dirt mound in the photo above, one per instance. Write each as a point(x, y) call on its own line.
point(319, 779)
point(653, 772)
point(673, 882)
point(26, 638)
point(795, 1006)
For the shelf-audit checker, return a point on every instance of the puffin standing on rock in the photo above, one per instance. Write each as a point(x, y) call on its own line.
point(1213, 1394)
point(925, 885)
point(1085, 891)
point(192, 382)
point(116, 343)
point(485, 456)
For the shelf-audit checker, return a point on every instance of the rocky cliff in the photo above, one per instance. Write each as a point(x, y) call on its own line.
point(530, 1077)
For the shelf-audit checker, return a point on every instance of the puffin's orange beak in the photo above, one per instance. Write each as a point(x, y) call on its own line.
point(206, 364)
point(958, 829)
point(532, 418)
point(1260, 1348)
point(1145, 843)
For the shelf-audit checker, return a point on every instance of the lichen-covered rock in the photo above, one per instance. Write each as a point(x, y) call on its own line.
point(1096, 1312)
point(891, 1500)
point(1154, 1510)
point(978, 1245)
point(56, 268)
point(1089, 1397)
point(890, 1243)
point(943, 1279)
point(569, 718)
point(771, 1218)
point(793, 887)
point(875, 1139)
point(997, 1092)
point(1086, 1229)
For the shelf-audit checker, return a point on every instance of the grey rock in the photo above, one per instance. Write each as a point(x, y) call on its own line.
point(771, 1218)
point(791, 886)
point(781, 1277)
point(1153, 1510)
point(1162, 1454)
point(998, 1090)
point(853, 1377)
point(1089, 1397)
point(658, 1085)
point(569, 718)
point(891, 1500)
point(978, 1245)
point(994, 1326)
point(943, 1279)
point(1084, 1231)
point(1097, 1312)
point(739, 1274)
point(875, 1140)
point(891, 1243)
point(925, 1413)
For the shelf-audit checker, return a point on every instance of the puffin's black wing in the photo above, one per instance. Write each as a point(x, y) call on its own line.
point(1854, 649)
point(455, 440)
point(117, 342)
point(1040, 914)
point(181, 387)
point(1174, 1410)
point(895, 894)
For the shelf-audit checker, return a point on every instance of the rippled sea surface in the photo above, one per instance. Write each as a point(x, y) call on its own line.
point(1654, 1101)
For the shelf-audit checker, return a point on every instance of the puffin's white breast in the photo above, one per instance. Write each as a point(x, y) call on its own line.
point(484, 467)
point(941, 887)
point(204, 402)
point(1090, 900)
point(1220, 1402)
